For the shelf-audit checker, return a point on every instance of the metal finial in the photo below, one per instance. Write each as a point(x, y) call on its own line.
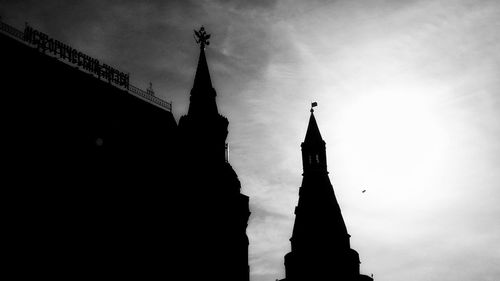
point(313, 104)
point(202, 37)
point(150, 90)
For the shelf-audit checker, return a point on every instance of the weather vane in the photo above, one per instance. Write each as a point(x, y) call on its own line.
point(202, 37)
point(313, 104)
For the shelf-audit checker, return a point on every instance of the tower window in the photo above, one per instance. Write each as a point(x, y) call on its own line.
point(317, 158)
point(310, 159)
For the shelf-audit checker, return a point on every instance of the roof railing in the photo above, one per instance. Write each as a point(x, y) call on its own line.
point(146, 95)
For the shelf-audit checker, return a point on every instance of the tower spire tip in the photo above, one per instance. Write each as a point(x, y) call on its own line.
point(313, 104)
point(201, 37)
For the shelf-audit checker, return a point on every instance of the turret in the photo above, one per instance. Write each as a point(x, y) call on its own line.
point(320, 241)
point(203, 129)
point(313, 148)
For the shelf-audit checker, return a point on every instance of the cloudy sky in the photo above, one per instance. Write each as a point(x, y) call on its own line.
point(408, 96)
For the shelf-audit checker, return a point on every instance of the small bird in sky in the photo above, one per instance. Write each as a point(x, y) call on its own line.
point(364, 190)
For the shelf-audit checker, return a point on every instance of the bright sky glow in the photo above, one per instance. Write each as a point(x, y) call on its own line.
point(408, 99)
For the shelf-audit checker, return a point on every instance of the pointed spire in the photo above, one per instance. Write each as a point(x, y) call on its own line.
point(202, 78)
point(313, 135)
point(202, 94)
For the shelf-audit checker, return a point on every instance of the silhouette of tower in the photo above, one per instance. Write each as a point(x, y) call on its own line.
point(320, 241)
point(130, 194)
point(203, 127)
point(216, 212)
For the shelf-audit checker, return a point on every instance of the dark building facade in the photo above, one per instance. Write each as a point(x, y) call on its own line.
point(87, 165)
point(320, 242)
point(102, 181)
point(218, 212)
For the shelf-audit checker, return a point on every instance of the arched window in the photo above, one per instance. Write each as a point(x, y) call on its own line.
point(317, 159)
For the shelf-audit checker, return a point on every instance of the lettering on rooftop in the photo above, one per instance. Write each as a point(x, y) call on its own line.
point(45, 43)
point(42, 42)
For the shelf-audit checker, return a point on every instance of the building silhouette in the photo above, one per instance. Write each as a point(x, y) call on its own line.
point(104, 183)
point(320, 242)
point(87, 165)
point(218, 213)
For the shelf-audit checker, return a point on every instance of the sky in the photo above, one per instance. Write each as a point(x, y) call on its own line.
point(408, 96)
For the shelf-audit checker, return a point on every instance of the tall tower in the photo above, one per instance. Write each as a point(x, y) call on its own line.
point(320, 242)
point(203, 128)
point(214, 213)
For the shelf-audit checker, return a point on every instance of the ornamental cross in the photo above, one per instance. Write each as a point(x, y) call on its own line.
point(202, 37)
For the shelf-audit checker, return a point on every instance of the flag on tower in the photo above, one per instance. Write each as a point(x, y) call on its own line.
point(314, 104)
